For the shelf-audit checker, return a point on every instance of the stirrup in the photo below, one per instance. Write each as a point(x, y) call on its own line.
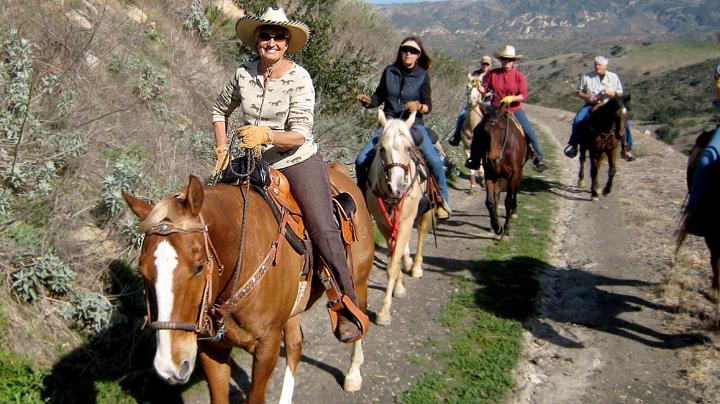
point(359, 319)
point(571, 151)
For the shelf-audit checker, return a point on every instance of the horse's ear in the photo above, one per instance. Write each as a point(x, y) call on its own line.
point(411, 119)
point(381, 117)
point(626, 100)
point(194, 199)
point(139, 207)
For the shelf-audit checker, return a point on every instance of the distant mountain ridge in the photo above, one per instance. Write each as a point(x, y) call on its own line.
point(572, 21)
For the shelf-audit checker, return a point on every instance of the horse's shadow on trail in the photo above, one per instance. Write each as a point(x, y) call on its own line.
point(122, 354)
point(508, 288)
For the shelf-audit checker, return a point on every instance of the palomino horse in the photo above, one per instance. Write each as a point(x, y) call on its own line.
point(395, 188)
point(712, 231)
point(473, 118)
point(600, 135)
point(219, 273)
point(502, 144)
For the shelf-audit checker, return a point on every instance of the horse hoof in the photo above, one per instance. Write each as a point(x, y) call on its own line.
point(417, 273)
point(400, 292)
point(500, 230)
point(581, 184)
point(383, 319)
point(595, 198)
point(352, 383)
point(513, 216)
point(606, 192)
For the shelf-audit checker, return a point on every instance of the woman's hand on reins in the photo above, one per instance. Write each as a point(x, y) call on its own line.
point(252, 136)
point(413, 106)
point(364, 100)
point(221, 160)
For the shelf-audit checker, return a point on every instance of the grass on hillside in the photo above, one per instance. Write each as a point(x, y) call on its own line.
point(665, 56)
point(486, 315)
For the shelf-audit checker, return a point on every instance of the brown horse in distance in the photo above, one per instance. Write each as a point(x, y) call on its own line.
point(501, 142)
point(209, 267)
point(712, 237)
point(600, 136)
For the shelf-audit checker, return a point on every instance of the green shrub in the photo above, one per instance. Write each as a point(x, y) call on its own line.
point(88, 312)
point(46, 271)
point(196, 21)
point(124, 177)
point(20, 380)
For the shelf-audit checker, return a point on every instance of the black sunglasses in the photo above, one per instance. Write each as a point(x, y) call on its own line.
point(486, 64)
point(266, 36)
point(408, 49)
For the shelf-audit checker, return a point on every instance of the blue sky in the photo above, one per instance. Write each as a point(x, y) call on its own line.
point(396, 1)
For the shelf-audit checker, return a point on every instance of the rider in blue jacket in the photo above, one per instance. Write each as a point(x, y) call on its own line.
point(405, 87)
point(704, 171)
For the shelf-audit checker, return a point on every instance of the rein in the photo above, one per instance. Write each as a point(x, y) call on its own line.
point(392, 215)
point(500, 156)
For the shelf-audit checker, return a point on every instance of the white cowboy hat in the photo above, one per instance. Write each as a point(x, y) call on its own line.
point(508, 53)
point(299, 31)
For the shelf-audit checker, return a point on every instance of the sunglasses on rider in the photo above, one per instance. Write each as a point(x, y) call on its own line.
point(486, 64)
point(266, 36)
point(409, 49)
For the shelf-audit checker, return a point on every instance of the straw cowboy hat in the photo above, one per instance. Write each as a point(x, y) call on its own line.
point(508, 53)
point(298, 31)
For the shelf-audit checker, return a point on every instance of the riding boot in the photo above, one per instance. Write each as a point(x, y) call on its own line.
point(352, 321)
point(626, 153)
point(473, 162)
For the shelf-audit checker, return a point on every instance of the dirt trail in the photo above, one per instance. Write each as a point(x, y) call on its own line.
point(601, 334)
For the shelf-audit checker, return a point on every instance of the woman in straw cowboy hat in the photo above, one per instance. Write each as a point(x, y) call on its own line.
point(508, 86)
point(405, 87)
point(277, 99)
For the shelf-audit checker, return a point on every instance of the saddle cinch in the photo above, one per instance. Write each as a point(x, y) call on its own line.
point(275, 189)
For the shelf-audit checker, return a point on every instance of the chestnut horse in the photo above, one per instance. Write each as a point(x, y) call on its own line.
point(502, 144)
point(473, 118)
point(218, 278)
point(712, 235)
point(600, 135)
point(395, 188)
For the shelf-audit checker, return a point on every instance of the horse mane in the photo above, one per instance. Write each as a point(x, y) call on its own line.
point(168, 209)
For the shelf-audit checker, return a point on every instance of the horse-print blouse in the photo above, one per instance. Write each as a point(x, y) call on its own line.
point(285, 105)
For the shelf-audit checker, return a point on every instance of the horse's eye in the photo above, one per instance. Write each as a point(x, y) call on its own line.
point(199, 269)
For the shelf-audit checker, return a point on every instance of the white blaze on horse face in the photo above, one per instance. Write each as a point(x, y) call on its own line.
point(165, 264)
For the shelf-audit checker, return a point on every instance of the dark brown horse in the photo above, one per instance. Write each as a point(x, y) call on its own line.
point(712, 231)
point(600, 135)
point(501, 142)
point(217, 278)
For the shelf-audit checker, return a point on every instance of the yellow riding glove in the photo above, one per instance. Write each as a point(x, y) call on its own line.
point(222, 160)
point(252, 136)
point(477, 83)
point(364, 100)
point(413, 106)
point(510, 99)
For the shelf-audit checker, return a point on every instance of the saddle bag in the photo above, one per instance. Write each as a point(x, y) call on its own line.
point(239, 168)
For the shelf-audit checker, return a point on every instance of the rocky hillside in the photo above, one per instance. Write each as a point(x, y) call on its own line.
point(475, 24)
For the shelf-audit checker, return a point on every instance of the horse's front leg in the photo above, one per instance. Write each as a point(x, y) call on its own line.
point(394, 273)
point(353, 379)
point(510, 203)
point(216, 364)
point(265, 358)
point(422, 231)
point(581, 171)
point(491, 198)
point(594, 168)
point(612, 169)
point(293, 351)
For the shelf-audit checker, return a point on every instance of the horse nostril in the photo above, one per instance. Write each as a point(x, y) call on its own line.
point(184, 370)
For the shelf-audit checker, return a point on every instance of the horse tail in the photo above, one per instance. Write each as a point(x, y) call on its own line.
point(682, 231)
